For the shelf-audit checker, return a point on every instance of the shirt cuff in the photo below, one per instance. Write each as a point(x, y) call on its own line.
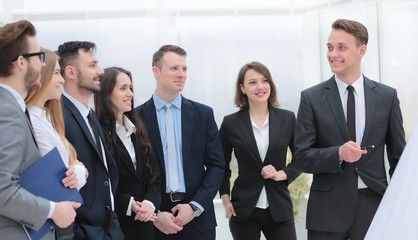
point(129, 210)
point(80, 172)
point(51, 208)
point(198, 205)
point(150, 203)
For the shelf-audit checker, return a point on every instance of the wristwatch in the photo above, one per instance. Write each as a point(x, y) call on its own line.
point(196, 211)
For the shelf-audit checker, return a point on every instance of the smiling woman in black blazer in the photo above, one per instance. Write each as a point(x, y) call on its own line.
point(259, 134)
point(138, 191)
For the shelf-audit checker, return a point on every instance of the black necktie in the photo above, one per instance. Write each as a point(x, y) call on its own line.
point(30, 126)
point(28, 116)
point(351, 113)
point(93, 126)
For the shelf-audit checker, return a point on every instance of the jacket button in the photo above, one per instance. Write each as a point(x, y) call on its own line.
point(107, 208)
point(106, 184)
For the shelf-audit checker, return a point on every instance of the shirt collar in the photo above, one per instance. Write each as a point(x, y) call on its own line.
point(266, 121)
point(160, 103)
point(127, 130)
point(342, 86)
point(84, 110)
point(36, 111)
point(16, 95)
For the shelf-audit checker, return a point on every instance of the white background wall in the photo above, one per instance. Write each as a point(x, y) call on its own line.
point(221, 36)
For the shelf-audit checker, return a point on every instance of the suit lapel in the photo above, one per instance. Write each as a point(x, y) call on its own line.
point(334, 102)
point(187, 121)
point(275, 131)
point(10, 98)
point(125, 157)
point(248, 134)
point(150, 119)
point(82, 123)
point(27, 116)
point(371, 102)
point(139, 155)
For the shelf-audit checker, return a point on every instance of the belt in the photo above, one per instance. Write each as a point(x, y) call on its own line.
point(176, 196)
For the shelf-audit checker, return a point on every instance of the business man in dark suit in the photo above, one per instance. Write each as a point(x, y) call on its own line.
point(21, 61)
point(191, 178)
point(259, 134)
point(81, 71)
point(337, 120)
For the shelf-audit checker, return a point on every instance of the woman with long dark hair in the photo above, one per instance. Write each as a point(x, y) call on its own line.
point(138, 191)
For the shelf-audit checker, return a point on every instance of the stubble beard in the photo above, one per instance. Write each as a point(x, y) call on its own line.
point(32, 79)
point(88, 86)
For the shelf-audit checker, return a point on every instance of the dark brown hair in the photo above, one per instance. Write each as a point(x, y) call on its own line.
point(68, 52)
point(13, 43)
point(105, 110)
point(358, 30)
point(241, 100)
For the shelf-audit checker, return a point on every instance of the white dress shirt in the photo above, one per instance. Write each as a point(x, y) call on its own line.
point(262, 139)
point(360, 104)
point(47, 138)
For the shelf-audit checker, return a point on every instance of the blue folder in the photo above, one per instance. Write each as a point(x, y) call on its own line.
point(43, 178)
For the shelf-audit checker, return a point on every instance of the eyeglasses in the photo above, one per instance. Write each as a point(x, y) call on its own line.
point(41, 56)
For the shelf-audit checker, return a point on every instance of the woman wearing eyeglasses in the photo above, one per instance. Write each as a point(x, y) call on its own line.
point(259, 134)
point(44, 106)
point(138, 191)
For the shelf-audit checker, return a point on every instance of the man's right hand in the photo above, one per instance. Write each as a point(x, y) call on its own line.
point(64, 213)
point(350, 152)
point(165, 223)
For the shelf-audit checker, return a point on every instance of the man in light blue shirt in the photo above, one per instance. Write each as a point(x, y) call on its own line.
point(187, 143)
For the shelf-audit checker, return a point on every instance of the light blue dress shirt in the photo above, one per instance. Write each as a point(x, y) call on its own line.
point(176, 112)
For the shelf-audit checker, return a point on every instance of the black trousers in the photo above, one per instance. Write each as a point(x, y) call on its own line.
point(367, 204)
point(261, 221)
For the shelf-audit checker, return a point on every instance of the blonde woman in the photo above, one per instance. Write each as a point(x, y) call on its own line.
point(44, 105)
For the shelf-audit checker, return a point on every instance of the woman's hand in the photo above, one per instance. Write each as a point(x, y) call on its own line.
point(229, 209)
point(270, 172)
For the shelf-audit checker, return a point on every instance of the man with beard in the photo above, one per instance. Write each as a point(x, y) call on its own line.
point(80, 68)
point(21, 61)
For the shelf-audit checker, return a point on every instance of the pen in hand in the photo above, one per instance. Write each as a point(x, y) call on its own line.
point(368, 147)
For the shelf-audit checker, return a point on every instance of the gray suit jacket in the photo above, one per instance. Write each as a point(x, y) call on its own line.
point(321, 129)
point(17, 152)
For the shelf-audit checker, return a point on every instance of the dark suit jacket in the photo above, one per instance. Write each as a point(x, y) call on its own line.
point(237, 135)
point(133, 182)
point(321, 129)
point(203, 162)
point(92, 215)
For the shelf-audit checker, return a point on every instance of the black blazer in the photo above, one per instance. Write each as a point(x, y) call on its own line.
point(203, 162)
point(321, 129)
point(237, 135)
point(133, 182)
point(92, 215)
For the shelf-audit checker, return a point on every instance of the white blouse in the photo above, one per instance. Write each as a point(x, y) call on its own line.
point(124, 135)
point(47, 138)
point(262, 139)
